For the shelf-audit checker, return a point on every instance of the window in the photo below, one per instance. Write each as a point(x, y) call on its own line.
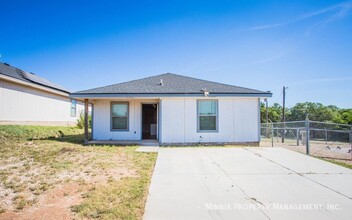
point(73, 107)
point(119, 116)
point(207, 115)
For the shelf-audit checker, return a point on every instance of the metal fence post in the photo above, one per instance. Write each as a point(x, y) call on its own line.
point(307, 134)
point(297, 136)
point(326, 136)
point(272, 135)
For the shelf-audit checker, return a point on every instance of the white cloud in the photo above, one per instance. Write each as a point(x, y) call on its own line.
point(336, 12)
point(265, 27)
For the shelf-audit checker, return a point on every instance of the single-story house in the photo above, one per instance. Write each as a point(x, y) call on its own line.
point(28, 99)
point(174, 110)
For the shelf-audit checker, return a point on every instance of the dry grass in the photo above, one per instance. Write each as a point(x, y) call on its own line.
point(112, 182)
point(347, 164)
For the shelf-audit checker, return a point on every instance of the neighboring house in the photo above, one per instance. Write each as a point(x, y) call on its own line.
point(174, 109)
point(26, 98)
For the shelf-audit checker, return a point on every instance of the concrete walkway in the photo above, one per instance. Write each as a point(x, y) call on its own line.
point(147, 149)
point(247, 183)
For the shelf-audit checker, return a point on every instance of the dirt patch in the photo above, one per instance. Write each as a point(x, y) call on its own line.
point(47, 178)
point(55, 204)
point(43, 191)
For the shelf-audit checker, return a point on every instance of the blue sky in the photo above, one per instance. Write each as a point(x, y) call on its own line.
point(305, 45)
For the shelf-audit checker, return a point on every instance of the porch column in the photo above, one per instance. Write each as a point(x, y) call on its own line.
point(85, 121)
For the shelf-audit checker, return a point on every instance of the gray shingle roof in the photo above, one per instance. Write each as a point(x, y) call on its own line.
point(172, 84)
point(14, 72)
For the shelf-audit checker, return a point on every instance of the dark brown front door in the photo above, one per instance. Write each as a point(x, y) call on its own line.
point(149, 121)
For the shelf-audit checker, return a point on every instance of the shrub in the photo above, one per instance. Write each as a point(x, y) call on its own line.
point(80, 121)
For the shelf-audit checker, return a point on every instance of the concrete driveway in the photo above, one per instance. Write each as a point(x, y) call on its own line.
point(247, 183)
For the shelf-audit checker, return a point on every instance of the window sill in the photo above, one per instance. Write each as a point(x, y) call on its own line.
point(122, 130)
point(211, 131)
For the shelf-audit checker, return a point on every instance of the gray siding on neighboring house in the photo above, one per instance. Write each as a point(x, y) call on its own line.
point(21, 104)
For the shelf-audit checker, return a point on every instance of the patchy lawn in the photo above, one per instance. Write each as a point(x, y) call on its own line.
point(46, 172)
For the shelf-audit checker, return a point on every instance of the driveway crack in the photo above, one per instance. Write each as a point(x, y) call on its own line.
point(252, 200)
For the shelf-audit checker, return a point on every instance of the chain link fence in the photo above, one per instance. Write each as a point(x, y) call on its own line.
point(321, 139)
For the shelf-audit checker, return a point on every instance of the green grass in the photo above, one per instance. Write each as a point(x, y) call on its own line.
point(23, 133)
point(39, 158)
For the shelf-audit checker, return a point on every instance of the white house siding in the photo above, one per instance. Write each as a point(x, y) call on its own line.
point(101, 120)
point(21, 104)
point(238, 121)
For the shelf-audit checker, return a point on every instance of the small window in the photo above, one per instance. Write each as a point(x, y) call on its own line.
point(207, 115)
point(73, 107)
point(119, 116)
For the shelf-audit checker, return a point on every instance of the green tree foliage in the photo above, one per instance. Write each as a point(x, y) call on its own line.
point(315, 111)
point(274, 113)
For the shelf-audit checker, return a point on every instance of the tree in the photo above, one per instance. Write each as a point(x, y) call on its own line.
point(274, 113)
point(315, 112)
point(346, 116)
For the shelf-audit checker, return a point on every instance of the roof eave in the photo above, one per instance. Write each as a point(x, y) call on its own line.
point(131, 95)
point(34, 85)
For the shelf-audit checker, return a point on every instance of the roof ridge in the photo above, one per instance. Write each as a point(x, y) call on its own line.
point(173, 84)
point(225, 84)
point(215, 82)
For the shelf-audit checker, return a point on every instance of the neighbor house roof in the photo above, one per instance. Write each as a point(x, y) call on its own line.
point(168, 84)
point(14, 72)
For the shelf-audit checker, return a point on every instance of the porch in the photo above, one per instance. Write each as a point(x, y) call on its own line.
point(124, 121)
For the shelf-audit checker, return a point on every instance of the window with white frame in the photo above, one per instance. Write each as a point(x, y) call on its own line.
point(207, 115)
point(73, 108)
point(119, 116)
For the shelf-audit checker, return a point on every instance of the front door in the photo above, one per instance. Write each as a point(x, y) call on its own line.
point(149, 121)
